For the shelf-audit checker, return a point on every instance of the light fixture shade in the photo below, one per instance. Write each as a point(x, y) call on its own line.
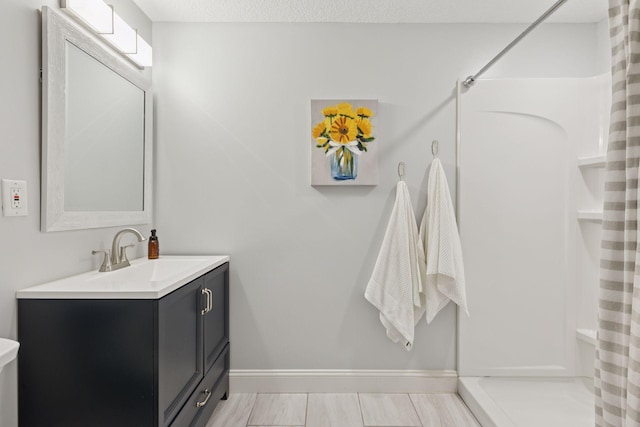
point(123, 37)
point(94, 13)
point(144, 55)
point(102, 19)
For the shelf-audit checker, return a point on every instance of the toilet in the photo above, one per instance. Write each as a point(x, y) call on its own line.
point(8, 351)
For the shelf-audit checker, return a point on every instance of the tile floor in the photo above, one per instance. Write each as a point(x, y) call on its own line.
point(342, 410)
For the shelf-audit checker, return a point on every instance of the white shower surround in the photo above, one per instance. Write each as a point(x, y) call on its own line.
point(530, 154)
point(520, 140)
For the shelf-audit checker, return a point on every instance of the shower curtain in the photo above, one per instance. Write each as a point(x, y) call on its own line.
point(617, 368)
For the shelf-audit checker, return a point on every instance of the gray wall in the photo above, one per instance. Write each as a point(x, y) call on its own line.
point(233, 155)
point(29, 257)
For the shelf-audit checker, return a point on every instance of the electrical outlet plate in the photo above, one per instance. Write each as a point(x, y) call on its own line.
point(14, 197)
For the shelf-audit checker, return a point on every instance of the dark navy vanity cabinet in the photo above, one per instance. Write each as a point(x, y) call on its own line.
point(125, 362)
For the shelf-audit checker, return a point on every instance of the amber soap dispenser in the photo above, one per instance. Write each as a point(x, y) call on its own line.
point(154, 246)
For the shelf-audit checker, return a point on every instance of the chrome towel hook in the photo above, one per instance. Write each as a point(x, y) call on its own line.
point(401, 170)
point(434, 148)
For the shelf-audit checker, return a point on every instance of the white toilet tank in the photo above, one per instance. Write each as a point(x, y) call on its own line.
point(8, 351)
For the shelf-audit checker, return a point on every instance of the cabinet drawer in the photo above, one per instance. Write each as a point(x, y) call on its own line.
point(208, 393)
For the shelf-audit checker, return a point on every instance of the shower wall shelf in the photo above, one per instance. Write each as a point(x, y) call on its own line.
point(587, 335)
point(595, 216)
point(592, 172)
point(598, 161)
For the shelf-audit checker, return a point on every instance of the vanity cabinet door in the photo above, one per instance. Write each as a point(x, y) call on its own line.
point(180, 348)
point(216, 320)
point(86, 363)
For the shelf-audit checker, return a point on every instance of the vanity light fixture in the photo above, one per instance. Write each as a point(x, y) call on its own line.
point(104, 21)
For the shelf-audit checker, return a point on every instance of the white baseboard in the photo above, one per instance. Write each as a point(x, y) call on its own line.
point(341, 381)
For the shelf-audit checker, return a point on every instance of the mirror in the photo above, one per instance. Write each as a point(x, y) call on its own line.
point(96, 145)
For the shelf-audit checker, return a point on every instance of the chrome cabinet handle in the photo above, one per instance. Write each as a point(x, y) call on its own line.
point(205, 310)
point(209, 305)
point(206, 399)
point(210, 299)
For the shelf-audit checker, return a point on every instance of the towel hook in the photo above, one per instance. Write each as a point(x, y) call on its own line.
point(434, 148)
point(401, 170)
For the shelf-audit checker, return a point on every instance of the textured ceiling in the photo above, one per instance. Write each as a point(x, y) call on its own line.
point(371, 11)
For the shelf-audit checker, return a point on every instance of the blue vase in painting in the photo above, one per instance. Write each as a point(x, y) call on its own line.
point(344, 165)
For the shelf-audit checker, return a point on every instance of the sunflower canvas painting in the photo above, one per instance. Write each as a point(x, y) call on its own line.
point(344, 142)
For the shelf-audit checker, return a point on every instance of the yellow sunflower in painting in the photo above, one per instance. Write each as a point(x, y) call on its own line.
point(318, 130)
point(330, 111)
point(364, 112)
point(343, 130)
point(364, 127)
point(346, 109)
point(319, 133)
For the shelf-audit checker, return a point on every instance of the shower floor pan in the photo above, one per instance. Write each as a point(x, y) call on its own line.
point(529, 402)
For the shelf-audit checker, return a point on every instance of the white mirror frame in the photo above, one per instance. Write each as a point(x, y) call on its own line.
point(56, 30)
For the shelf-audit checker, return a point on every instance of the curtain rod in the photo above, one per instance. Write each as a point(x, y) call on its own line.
point(469, 81)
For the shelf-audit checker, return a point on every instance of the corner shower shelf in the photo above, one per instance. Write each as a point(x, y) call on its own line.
point(598, 161)
point(586, 335)
point(595, 216)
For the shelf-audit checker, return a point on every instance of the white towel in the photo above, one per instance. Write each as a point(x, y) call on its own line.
point(395, 286)
point(444, 280)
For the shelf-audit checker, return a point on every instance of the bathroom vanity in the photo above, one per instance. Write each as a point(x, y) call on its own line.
point(147, 345)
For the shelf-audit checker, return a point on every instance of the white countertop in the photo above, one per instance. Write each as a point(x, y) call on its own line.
point(144, 279)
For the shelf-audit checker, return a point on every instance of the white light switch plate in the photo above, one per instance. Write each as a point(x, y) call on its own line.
point(14, 197)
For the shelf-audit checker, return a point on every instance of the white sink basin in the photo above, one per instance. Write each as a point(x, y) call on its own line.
point(144, 279)
point(149, 271)
point(8, 351)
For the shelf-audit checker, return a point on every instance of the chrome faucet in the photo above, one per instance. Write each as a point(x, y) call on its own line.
point(117, 258)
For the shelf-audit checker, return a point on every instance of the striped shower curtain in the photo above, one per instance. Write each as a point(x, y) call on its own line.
point(617, 370)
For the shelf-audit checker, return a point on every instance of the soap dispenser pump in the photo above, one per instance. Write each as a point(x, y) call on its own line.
point(154, 246)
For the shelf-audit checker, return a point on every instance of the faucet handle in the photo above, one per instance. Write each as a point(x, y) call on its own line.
point(106, 262)
point(123, 253)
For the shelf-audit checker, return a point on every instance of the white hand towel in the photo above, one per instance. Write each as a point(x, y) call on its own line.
point(395, 286)
point(444, 280)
